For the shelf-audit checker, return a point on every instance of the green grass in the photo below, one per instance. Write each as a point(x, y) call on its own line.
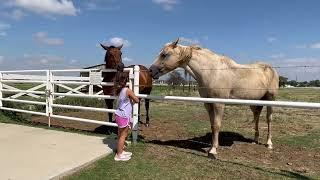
point(308, 140)
point(299, 94)
point(175, 164)
point(291, 127)
point(296, 128)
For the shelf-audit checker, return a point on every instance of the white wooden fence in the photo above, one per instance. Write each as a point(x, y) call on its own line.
point(49, 81)
point(44, 87)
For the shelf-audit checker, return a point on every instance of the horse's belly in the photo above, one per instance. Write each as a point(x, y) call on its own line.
point(247, 94)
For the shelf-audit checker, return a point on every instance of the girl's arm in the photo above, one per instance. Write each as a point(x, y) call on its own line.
point(131, 95)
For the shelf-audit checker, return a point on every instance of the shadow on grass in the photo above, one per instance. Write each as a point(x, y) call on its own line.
point(285, 173)
point(106, 130)
point(225, 139)
point(200, 143)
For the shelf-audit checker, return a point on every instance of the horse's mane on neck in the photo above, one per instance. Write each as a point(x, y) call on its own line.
point(187, 52)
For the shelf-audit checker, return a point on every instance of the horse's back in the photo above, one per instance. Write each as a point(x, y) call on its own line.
point(268, 75)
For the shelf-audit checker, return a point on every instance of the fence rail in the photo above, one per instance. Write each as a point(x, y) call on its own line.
point(47, 90)
point(304, 105)
point(50, 80)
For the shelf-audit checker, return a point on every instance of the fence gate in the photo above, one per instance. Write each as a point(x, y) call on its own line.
point(41, 88)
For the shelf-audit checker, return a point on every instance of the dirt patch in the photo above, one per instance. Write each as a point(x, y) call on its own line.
point(301, 160)
point(164, 130)
point(167, 138)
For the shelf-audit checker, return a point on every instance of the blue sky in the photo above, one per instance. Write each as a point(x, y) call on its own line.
point(59, 34)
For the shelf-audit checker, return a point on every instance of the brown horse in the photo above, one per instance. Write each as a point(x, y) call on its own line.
point(113, 60)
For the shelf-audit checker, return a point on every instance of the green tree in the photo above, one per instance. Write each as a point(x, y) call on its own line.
point(175, 78)
point(283, 81)
point(293, 83)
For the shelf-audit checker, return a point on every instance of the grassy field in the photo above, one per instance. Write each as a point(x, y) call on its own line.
point(173, 147)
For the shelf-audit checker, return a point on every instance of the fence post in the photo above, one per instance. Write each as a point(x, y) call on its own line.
point(131, 77)
point(1, 89)
point(135, 128)
point(49, 99)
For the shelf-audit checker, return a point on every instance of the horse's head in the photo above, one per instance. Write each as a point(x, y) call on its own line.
point(113, 57)
point(170, 57)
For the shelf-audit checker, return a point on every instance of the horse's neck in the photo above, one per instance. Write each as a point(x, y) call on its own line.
point(203, 63)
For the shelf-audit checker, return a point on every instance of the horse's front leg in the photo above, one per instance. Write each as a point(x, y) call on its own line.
point(147, 104)
point(215, 112)
point(109, 103)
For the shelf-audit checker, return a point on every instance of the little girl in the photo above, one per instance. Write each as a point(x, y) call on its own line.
point(123, 114)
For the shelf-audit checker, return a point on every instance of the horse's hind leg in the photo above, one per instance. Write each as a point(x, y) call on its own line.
point(256, 114)
point(146, 103)
point(269, 118)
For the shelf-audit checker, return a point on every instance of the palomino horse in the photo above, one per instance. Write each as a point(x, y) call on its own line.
point(113, 60)
point(221, 77)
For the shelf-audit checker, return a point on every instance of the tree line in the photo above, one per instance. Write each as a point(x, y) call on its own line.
point(283, 81)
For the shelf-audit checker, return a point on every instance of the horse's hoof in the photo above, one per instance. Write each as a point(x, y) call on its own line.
point(269, 146)
point(255, 142)
point(212, 156)
point(147, 125)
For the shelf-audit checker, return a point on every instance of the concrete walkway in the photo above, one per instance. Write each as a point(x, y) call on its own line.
point(35, 153)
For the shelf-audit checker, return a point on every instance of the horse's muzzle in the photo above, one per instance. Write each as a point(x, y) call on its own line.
point(120, 67)
point(154, 71)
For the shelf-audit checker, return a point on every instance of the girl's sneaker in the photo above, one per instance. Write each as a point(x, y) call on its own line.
point(121, 157)
point(127, 153)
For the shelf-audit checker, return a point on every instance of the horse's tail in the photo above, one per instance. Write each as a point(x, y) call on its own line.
point(273, 81)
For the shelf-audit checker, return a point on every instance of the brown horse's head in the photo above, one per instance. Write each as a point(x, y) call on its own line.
point(113, 57)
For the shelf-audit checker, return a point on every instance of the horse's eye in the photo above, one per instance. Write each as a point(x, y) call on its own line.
point(163, 56)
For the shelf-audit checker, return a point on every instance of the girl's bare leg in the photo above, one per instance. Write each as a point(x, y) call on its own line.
point(122, 135)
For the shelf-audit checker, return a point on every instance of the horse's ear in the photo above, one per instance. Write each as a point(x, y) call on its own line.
point(175, 43)
point(104, 47)
point(120, 47)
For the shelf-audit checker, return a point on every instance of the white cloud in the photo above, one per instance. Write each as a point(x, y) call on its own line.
point(3, 34)
point(301, 46)
point(3, 28)
point(190, 41)
point(278, 56)
point(42, 37)
point(1, 59)
point(45, 60)
point(166, 4)
point(107, 5)
point(315, 46)
point(126, 59)
point(302, 68)
point(47, 7)
point(271, 39)
point(118, 41)
point(73, 61)
point(206, 38)
point(91, 6)
point(39, 61)
point(17, 14)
